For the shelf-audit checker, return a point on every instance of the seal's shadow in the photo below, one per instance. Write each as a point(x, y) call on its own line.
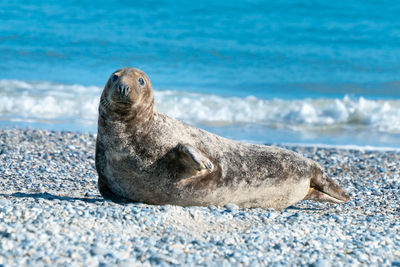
point(293, 208)
point(49, 196)
point(95, 199)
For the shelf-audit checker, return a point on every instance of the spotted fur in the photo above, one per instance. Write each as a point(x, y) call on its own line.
point(144, 155)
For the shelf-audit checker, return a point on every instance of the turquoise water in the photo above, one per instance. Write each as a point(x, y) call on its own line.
point(334, 64)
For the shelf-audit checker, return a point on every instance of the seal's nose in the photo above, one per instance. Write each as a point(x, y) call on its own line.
point(123, 89)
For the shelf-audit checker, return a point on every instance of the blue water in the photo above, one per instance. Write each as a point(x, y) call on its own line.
point(288, 50)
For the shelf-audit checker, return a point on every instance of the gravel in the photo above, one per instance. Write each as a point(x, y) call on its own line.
point(51, 214)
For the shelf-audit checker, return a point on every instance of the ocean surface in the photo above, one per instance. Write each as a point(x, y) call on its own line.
point(303, 72)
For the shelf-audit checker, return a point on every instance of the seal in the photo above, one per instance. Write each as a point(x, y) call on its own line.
point(143, 155)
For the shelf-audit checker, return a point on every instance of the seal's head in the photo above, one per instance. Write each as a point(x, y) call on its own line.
point(127, 91)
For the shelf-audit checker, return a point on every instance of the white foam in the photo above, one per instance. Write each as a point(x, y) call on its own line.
point(311, 114)
point(362, 148)
point(41, 101)
point(46, 101)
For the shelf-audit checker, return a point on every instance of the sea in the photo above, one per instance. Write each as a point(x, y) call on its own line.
point(301, 72)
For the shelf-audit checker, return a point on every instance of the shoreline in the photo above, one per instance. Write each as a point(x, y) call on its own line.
point(51, 213)
point(92, 130)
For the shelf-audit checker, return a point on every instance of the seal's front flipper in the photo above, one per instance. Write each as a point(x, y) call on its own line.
point(192, 158)
point(193, 168)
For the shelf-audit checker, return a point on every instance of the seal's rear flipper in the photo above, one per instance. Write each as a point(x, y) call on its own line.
point(323, 188)
point(315, 194)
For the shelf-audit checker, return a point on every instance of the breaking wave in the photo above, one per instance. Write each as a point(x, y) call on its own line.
point(56, 103)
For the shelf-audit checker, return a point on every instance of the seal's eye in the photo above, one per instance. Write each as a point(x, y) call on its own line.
point(141, 81)
point(114, 78)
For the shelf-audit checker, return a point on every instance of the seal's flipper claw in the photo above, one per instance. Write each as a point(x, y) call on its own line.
point(209, 165)
point(193, 158)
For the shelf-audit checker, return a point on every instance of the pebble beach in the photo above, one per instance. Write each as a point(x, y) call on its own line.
point(51, 214)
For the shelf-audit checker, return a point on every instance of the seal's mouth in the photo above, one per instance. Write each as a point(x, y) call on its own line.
point(121, 101)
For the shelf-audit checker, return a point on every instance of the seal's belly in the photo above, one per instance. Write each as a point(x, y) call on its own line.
point(265, 196)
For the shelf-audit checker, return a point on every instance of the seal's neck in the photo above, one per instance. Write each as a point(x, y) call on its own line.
point(136, 119)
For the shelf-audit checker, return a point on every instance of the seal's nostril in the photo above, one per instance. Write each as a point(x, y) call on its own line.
point(124, 89)
point(123, 86)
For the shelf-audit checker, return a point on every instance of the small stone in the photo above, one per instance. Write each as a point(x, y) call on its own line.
point(277, 246)
point(98, 250)
point(161, 259)
point(128, 263)
point(4, 202)
point(321, 263)
point(231, 207)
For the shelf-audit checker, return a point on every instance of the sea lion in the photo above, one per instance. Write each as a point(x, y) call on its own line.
point(143, 155)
